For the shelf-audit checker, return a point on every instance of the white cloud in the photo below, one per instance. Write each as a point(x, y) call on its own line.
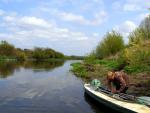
point(27, 32)
point(26, 22)
point(131, 7)
point(1, 12)
point(73, 17)
point(95, 34)
point(33, 21)
point(125, 28)
point(8, 18)
point(99, 18)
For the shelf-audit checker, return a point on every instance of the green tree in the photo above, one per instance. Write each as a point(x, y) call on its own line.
point(141, 33)
point(38, 53)
point(138, 53)
point(20, 55)
point(46, 53)
point(110, 45)
point(6, 49)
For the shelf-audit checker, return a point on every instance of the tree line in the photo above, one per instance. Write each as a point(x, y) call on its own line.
point(9, 51)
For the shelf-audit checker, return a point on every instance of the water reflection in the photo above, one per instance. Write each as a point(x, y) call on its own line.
point(7, 68)
point(96, 106)
point(36, 87)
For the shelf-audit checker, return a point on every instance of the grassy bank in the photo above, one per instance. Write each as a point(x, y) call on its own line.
point(139, 79)
point(133, 58)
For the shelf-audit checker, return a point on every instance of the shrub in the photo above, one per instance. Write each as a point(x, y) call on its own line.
point(90, 59)
point(21, 56)
point(110, 45)
point(141, 33)
point(6, 49)
point(138, 57)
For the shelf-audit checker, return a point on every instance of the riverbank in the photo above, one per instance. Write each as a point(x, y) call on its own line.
point(139, 79)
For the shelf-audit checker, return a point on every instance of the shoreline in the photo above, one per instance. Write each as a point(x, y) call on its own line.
point(139, 82)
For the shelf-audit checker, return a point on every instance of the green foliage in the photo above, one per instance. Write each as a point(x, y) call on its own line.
point(21, 56)
point(28, 53)
point(39, 53)
point(138, 56)
point(110, 45)
point(6, 49)
point(59, 55)
point(137, 68)
point(73, 57)
point(90, 59)
point(138, 53)
point(110, 64)
point(42, 53)
point(141, 33)
point(79, 69)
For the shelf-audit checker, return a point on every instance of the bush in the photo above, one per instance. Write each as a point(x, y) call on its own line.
point(46, 53)
point(21, 56)
point(141, 33)
point(138, 57)
point(110, 45)
point(6, 49)
point(138, 54)
point(90, 59)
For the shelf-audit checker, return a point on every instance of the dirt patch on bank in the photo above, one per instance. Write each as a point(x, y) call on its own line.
point(139, 83)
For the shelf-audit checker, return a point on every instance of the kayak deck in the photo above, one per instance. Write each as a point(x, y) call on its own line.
point(118, 105)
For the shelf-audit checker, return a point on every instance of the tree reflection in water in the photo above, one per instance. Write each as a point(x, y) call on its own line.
point(7, 68)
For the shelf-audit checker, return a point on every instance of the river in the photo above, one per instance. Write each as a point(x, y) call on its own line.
point(43, 87)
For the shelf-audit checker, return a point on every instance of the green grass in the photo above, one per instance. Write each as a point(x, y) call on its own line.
point(7, 57)
point(79, 69)
point(82, 70)
point(137, 69)
point(103, 66)
point(112, 64)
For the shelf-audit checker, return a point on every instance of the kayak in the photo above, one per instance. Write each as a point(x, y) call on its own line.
point(119, 105)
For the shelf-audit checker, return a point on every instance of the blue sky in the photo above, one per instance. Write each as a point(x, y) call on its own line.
point(73, 27)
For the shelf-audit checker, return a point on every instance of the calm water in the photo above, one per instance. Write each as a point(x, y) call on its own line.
point(42, 87)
